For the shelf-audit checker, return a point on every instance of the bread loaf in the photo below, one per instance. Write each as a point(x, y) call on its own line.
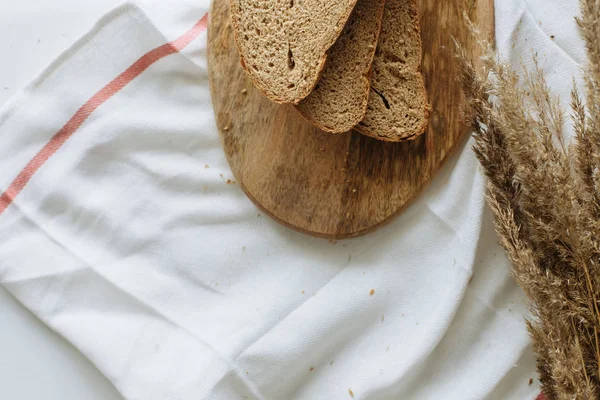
point(283, 44)
point(339, 101)
point(398, 109)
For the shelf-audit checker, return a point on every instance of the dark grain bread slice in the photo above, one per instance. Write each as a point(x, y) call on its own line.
point(398, 109)
point(339, 101)
point(283, 43)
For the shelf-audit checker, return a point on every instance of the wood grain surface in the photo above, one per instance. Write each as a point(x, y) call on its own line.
point(339, 186)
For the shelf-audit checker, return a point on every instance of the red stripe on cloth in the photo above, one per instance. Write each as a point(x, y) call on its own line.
point(541, 397)
point(108, 91)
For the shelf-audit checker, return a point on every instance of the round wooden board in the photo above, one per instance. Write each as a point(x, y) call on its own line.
point(339, 186)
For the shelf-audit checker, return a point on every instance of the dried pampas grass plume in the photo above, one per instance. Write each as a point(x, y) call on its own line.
point(545, 195)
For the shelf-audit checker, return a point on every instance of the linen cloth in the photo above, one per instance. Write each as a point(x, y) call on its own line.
point(119, 231)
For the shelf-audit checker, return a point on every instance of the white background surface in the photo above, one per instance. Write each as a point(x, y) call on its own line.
point(35, 363)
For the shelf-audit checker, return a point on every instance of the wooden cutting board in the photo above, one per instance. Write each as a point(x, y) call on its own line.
point(339, 186)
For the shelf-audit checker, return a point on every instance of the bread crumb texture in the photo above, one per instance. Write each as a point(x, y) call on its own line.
point(339, 101)
point(398, 108)
point(283, 44)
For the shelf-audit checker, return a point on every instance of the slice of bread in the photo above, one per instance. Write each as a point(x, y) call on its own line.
point(283, 44)
point(398, 109)
point(339, 101)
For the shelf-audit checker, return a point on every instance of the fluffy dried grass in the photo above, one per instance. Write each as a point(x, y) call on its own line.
point(545, 195)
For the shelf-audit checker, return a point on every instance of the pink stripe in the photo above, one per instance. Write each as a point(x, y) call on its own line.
point(92, 104)
point(541, 397)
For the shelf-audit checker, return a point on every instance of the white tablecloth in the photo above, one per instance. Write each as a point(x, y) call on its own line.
point(119, 238)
